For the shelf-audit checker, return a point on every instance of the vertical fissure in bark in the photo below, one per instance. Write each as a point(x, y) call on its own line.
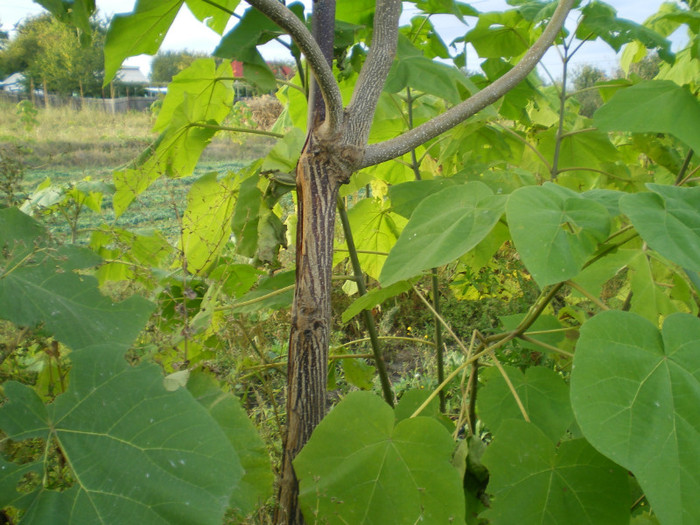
point(322, 168)
point(319, 175)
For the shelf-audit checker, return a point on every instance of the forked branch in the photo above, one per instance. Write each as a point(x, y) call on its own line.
point(318, 65)
point(387, 150)
point(374, 71)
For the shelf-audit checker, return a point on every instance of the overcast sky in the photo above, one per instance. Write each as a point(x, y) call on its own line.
point(188, 33)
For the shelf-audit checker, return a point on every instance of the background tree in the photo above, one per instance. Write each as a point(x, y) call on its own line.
point(50, 52)
point(647, 68)
point(167, 64)
point(585, 77)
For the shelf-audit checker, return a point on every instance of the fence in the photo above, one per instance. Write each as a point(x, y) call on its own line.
point(110, 105)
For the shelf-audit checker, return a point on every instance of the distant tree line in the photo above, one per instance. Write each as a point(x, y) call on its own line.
point(50, 56)
point(586, 77)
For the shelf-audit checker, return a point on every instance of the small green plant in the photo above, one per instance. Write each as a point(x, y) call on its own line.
point(27, 113)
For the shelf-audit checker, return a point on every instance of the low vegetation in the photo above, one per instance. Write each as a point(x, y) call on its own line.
point(512, 334)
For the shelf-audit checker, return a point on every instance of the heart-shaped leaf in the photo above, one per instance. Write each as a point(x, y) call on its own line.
point(669, 220)
point(361, 467)
point(443, 226)
point(535, 483)
point(635, 392)
point(544, 395)
point(555, 230)
point(654, 106)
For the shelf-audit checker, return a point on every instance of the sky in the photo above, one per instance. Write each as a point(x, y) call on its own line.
point(188, 33)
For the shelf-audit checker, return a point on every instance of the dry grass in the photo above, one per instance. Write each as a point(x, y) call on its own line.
point(264, 110)
point(86, 138)
point(91, 139)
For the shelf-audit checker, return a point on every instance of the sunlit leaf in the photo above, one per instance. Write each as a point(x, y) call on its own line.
point(375, 228)
point(600, 21)
point(206, 223)
point(656, 106)
point(443, 227)
point(555, 230)
point(139, 32)
point(668, 218)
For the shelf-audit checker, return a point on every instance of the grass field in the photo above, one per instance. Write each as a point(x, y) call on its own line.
point(67, 146)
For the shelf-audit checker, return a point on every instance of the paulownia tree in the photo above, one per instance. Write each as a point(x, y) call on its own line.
point(336, 147)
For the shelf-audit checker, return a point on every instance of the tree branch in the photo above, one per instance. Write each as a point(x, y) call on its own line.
point(374, 71)
point(322, 72)
point(383, 151)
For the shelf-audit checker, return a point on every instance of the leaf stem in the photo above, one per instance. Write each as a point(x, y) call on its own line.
point(238, 130)
point(366, 314)
point(587, 294)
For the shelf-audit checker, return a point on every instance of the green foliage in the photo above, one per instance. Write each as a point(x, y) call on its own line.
point(49, 53)
point(525, 197)
point(634, 392)
point(669, 220)
point(544, 396)
point(535, 481)
point(555, 230)
point(114, 424)
point(361, 466)
point(658, 106)
point(443, 227)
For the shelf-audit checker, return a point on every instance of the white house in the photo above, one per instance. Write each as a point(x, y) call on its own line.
point(13, 84)
point(131, 75)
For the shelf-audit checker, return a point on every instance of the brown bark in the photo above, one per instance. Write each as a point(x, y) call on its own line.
point(320, 172)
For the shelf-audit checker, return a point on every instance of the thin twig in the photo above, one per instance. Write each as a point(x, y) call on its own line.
point(383, 151)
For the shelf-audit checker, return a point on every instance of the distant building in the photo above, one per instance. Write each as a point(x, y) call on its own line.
point(13, 84)
point(131, 75)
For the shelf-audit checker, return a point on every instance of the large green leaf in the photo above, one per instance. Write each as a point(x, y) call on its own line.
point(256, 486)
point(246, 215)
point(375, 228)
point(600, 21)
point(544, 395)
point(361, 467)
point(206, 224)
point(555, 230)
point(75, 12)
point(37, 287)
point(137, 451)
point(253, 29)
point(635, 392)
point(406, 197)
point(199, 98)
point(535, 483)
point(216, 15)
point(500, 35)
point(653, 106)
point(443, 227)
point(373, 298)
point(669, 220)
point(139, 32)
point(412, 69)
point(272, 293)
point(209, 88)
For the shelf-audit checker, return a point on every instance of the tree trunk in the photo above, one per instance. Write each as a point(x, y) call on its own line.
point(319, 174)
point(307, 369)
